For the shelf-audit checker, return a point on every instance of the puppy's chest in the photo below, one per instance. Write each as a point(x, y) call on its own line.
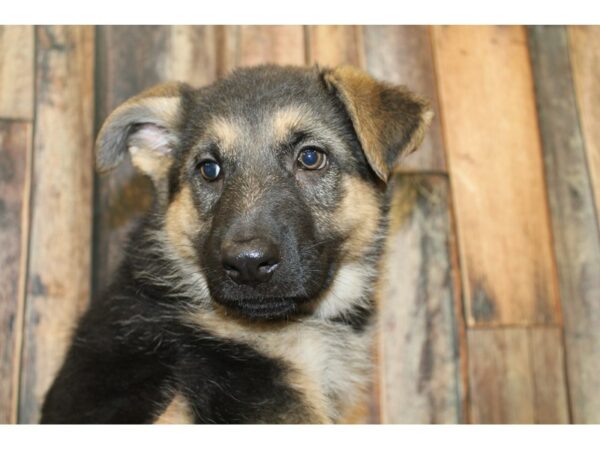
point(328, 364)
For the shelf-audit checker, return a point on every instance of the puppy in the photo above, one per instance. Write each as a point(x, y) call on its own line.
point(246, 293)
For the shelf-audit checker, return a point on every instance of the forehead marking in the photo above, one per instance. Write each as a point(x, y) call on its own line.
point(225, 131)
point(286, 119)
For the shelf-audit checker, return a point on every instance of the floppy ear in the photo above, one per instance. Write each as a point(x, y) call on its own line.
point(389, 120)
point(146, 126)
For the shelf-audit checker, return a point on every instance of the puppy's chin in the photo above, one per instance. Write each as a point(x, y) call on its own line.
point(269, 301)
point(264, 309)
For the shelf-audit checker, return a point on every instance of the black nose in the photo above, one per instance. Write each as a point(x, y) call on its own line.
point(250, 261)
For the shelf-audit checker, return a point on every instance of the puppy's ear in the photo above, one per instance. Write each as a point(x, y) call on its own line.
point(389, 120)
point(146, 126)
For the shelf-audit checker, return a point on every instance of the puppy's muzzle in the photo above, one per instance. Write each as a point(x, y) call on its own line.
point(251, 261)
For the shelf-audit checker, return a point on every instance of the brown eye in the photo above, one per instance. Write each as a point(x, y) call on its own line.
point(312, 158)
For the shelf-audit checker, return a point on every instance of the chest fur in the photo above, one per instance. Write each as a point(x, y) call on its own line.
point(328, 363)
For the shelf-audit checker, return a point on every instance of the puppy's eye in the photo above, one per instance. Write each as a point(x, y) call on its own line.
point(210, 170)
point(312, 158)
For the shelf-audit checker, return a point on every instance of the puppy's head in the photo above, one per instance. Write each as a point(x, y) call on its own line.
point(271, 181)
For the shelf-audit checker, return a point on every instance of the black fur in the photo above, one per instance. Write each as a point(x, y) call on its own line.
point(130, 353)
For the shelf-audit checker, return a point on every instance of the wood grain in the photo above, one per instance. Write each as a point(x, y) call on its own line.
point(191, 55)
point(585, 59)
point(402, 55)
point(494, 155)
point(228, 48)
point(16, 72)
point(575, 230)
point(332, 45)
point(58, 285)
point(271, 44)
point(15, 166)
point(420, 347)
point(516, 376)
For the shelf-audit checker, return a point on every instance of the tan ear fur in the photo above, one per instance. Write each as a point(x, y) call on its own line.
point(146, 125)
point(389, 120)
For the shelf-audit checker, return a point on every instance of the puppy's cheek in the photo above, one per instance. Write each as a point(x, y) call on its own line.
point(357, 217)
point(183, 224)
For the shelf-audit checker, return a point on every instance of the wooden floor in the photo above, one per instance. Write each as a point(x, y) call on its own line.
point(490, 303)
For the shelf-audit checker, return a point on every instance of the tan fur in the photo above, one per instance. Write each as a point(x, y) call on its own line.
point(329, 363)
point(177, 412)
point(358, 215)
point(287, 119)
point(284, 121)
point(182, 222)
point(226, 132)
point(146, 161)
point(346, 291)
point(378, 126)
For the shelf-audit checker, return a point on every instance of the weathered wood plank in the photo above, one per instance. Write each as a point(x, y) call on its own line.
point(16, 72)
point(228, 48)
point(575, 230)
point(516, 376)
point(131, 59)
point(584, 43)
point(402, 55)
point(271, 44)
point(58, 284)
point(332, 45)
point(420, 346)
point(191, 55)
point(15, 166)
point(494, 153)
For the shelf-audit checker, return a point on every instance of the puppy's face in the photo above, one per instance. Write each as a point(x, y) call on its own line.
point(272, 179)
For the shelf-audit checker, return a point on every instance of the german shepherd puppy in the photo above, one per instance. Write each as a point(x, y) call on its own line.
point(246, 295)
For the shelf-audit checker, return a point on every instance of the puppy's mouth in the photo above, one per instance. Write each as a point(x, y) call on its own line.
point(267, 302)
point(275, 308)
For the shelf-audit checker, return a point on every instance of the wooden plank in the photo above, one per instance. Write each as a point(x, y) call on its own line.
point(575, 230)
point(516, 376)
point(131, 59)
point(585, 59)
point(402, 55)
point(494, 154)
point(228, 48)
point(332, 45)
point(420, 345)
point(16, 72)
point(249, 45)
point(15, 166)
point(58, 284)
point(271, 44)
point(191, 55)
